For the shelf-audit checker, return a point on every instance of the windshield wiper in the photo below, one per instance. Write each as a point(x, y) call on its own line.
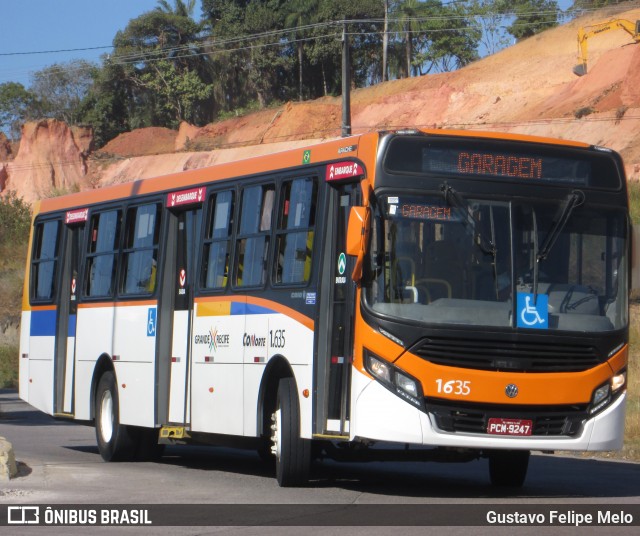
point(470, 221)
point(574, 200)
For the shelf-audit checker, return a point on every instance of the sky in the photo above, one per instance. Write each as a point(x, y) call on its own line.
point(51, 25)
point(55, 25)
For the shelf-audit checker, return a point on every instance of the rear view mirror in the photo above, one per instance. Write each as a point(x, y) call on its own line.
point(357, 238)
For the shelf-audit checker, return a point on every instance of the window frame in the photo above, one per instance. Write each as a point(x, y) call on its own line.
point(240, 236)
point(282, 232)
point(129, 224)
point(88, 256)
point(38, 261)
point(208, 239)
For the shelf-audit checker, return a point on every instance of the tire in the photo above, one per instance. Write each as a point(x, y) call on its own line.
point(116, 442)
point(292, 453)
point(508, 468)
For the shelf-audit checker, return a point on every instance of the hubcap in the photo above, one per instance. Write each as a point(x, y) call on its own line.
point(276, 420)
point(106, 416)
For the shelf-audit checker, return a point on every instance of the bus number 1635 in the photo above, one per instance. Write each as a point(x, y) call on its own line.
point(455, 387)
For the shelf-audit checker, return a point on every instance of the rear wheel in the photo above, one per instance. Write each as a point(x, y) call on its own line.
point(508, 468)
point(292, 453)
point(116, 442)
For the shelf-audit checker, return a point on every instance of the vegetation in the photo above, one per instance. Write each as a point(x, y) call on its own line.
point(634, 201)
point(171, 64)
point(15, 218)
point(632, 423)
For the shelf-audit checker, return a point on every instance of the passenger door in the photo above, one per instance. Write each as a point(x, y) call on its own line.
point(336, 316)
point(64, 366)
point(177, 304)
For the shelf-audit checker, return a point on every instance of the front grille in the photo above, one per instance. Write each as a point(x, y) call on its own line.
point(473, 418)
point(497, 355)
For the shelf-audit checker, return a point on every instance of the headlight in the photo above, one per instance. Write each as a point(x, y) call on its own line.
point(379, 369)
point(408, 385)
point(397, 381)
point(605, 393)
point(600, 397)
point(619, 381)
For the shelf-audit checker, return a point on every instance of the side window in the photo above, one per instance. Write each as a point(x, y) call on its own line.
point(217, 241)
point(296, 221)
point(44, 261)
point(140, 250)
point(252, 244)
point(104, 233)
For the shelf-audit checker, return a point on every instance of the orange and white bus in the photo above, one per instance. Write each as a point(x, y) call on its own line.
point(414, 295)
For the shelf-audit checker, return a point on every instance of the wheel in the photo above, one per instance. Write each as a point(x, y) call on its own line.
point(116, 442)
point(508, 468)
point(292, 453)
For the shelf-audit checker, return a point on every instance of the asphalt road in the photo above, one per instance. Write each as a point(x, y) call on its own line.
point(59, 463)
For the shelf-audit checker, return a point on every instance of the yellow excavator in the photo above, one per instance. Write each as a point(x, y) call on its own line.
point(633, 29)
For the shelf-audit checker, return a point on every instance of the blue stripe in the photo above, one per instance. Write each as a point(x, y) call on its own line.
point(71, 332)
point(241, 308)
point(43, 323)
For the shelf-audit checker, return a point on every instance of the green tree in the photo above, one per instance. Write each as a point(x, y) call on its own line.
point(163, 43)
point(108, 104)
point(448, 39)
point(17, 105)
point(228, 64)
point(178, 92)
point(490, 16)
point(533, 17)
point(61, 88)
point(300, 13)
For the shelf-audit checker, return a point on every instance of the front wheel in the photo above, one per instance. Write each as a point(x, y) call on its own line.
point(292, 453)
point(508, 468)
point(115, 441)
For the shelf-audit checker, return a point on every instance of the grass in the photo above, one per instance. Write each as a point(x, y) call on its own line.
point(632, 425)
point(634, 201)
point(8, 367)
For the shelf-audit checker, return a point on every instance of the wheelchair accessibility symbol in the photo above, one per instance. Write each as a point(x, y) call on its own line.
point(151, 322)
point(530, 315)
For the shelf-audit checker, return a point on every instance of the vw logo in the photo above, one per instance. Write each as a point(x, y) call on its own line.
point(511, 390)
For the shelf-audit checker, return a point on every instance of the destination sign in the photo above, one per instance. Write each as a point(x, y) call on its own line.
point(343, 170)
point(185, 197)
point(424, 212)
point(76, 216)
point(503, 164)
point(501, 160)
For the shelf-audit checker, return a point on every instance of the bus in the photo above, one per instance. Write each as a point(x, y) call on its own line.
point(404, 295)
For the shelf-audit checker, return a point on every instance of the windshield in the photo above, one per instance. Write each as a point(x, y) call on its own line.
point(447, 259)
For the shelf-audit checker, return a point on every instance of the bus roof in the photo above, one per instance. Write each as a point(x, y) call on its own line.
point(363, 146)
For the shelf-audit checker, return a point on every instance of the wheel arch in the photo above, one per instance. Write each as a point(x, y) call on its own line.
point(277, 368)
point(103, 364)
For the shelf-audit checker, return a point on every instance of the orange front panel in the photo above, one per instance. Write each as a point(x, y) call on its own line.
point(488, 387)
point(479, 386)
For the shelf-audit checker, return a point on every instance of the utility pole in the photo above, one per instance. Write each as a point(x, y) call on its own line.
point(346, 83)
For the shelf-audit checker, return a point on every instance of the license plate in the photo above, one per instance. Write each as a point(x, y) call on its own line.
point(510, 427)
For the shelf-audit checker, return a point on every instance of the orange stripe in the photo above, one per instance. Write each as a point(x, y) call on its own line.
point(117, 304)
point(44, 307)
point(268, 304)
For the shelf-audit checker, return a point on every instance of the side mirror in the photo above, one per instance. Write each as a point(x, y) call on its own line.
point(357, 238)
